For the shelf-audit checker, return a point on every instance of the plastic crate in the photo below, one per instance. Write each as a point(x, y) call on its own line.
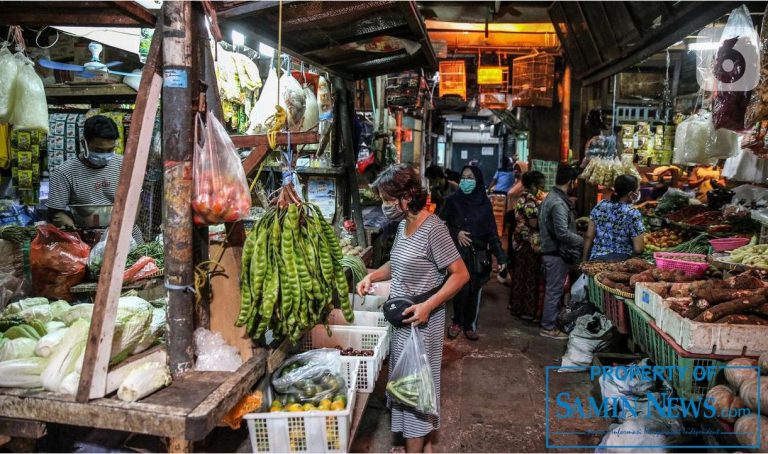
point(359, 338)
point(616, 312)
point(363, 319)
point(639, 325)
point(595, 294)
point(677, 261)
point(665, 352)
point(312, 431)
point(728, 244)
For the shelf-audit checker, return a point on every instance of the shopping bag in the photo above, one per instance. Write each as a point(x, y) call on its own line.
point(411, 383)
point(221, 192)
point(58, 262)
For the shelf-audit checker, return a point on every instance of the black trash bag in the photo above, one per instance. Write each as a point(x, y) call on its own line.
point(566, 319)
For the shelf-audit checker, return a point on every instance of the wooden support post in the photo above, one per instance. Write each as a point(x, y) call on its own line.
point(348, 157)
point(178, 127)
point(93, 376)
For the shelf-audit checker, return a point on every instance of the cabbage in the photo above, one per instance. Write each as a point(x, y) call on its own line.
point(129, 305)
point(70, 383)
point(54, 326)
point(18, 306)
point(155, 330)
point(143, 381)
point(40, 313)
point(78, 311)
point(22, 347)
point(67, 356)
point(48, 343)
point(22, 373)
point(59, 308)
point(129, 331)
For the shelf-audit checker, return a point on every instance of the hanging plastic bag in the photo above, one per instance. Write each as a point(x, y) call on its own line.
point(293, 100)
point(757, 110)
point(736, 65)
point(144, 268)
point(30, 107)
point(312, 112)
point(724, 144)
point(96, 257)
point(265, 106)
point(221, 192)
point(58, 260)
point(411, 382)
point(8, 70)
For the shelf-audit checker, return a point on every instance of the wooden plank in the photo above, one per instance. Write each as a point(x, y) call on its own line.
point(93, 379)
point(179, 445)
point(361, 402)
point(225, 299)
point(208, 414)
point(23, 428)
point(136, 12)
point(260, 140)
point(117, 374)
point(188, 390)
point(277, 356)
point(178, 124)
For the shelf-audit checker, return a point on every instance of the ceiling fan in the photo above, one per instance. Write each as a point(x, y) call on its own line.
point(90, 69)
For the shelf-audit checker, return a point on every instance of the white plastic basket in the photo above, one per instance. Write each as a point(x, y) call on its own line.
point(359, 338)
point(311, 431)
point(362, 318)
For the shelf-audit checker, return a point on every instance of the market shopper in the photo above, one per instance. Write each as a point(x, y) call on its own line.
point(469, 216)
point(92, 178)
point(616, 228)
point(525, 298)
point(423, 259)
point(504, 178)
point(440, 186)
point(561, 246)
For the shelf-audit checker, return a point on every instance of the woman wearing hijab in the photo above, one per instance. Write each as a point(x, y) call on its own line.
point(469, 216)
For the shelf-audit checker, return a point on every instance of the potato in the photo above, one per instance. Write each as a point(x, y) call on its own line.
point(738, 376)
point(748, 393)
point(747, 433)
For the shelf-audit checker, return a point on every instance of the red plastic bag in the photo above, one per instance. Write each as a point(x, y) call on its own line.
point(221, 192)
point(58, 262)
point(142, 269)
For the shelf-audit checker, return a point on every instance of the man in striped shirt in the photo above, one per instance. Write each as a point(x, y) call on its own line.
point(92, 178)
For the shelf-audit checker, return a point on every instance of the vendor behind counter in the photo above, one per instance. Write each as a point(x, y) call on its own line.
point(92, 178)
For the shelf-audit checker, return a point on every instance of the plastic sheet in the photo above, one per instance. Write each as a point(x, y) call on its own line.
point(592, 333)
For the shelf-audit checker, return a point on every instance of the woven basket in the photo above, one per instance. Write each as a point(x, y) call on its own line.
point(612, 291)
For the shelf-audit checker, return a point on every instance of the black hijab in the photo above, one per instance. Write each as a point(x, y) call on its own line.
point(471, 212)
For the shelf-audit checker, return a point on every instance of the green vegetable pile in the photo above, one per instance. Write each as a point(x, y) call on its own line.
point(290, 271)
point(356, 265)
point(152, 249)
point(414, 391)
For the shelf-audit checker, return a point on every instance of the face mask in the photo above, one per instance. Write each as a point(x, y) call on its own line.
point(97, 159)
point(466, 185)
point(393, 211)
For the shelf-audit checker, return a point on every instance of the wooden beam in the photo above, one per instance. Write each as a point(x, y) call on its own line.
point(82, 17)
point(178, 124)
point(136, 12)
point(22, 428)
point(416, 22)
point(260, 140)
point(248, 9)
point(93, 378)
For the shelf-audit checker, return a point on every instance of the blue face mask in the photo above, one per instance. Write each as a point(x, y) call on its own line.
point(100, 159)
point(467, 185)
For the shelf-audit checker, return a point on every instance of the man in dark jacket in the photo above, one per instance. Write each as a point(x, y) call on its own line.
point(560, 246)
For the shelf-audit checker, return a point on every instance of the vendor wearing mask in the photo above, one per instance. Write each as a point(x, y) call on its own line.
point(92, 178)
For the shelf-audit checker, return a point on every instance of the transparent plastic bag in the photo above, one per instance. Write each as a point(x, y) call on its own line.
point(411, 382)
point(221, 192)
point(30, 107)
point(739, 46)
point(311, 376)
point(724, 144)
point(757, 110)
point(96, 257)
point(58, 261)
point(312, 111)
point(8, 70)
point(213, 352)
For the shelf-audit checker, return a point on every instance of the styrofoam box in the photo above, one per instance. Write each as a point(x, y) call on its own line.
point(713, 338)
point(357, 337)
point(363, 319)
point(648, 301)
point(311, 431)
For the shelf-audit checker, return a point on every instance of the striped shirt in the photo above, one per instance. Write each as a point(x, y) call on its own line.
point(418, 265)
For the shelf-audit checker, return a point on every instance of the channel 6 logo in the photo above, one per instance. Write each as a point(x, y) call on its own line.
point(730, 62)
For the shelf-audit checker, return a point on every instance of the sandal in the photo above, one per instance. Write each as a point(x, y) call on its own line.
point(454, 331)
point(397, 449)
point(471, 335)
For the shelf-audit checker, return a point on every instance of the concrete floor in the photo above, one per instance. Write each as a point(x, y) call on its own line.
point(493, 390)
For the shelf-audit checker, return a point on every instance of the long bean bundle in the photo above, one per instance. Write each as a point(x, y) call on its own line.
point(291, 270)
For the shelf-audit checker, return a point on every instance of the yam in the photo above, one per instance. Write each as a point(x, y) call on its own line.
point(760, 310)
point(685, 288)
point(735, 306)
point(664, 275)
point(637, 265)
point(715, 295)
point(618, 277)
point(748, 393)
point(623, 288)
point(660, 288)
point(645, 276)
point(725, 401)
point(680, 276)
point(738, 371)
point(743, 319)
point(746, 280)
point(762, 361)
point(747, 432)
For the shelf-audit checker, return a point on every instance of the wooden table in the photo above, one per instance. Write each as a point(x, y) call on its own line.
point(186, 411)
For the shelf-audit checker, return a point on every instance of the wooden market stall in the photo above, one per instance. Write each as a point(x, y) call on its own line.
point(180, 68)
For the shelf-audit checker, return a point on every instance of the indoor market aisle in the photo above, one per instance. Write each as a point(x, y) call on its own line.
point(493, 389)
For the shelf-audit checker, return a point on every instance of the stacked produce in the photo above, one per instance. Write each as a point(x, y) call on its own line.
point(741, 393)
point(623, 276)
point(42, 344)
point(291, 270)
point(663, 239)
point(603, 171)
point(347, 248)
point(754, 255)
point(310, 381)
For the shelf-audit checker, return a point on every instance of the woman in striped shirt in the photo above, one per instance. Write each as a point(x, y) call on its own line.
point(423, 258)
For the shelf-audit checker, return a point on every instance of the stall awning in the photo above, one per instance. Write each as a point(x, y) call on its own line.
point(352, 39)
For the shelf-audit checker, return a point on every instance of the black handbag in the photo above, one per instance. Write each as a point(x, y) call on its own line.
point(481, 259)
point(394, 307)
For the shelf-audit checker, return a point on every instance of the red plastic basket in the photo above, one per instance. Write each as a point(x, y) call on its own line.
point(616, 311)
point(728, 244)
point(682, 261)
